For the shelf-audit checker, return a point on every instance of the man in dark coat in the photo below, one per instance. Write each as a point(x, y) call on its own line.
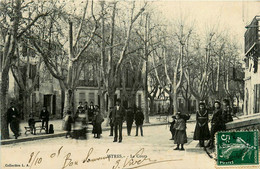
point(118, 116)
point(139, 120)
point(13, 118)
point(202, 129)
point(91, 111)
point(227, 112)
point(216, 123)
point(129, 120)
point(172, 129)
point(44, 116)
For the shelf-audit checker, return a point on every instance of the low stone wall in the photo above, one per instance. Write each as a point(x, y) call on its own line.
point(251, 122)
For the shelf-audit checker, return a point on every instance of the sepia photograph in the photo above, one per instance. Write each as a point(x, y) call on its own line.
point(126, 84)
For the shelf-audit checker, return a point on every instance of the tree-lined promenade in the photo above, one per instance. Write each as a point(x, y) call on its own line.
point(163, 56)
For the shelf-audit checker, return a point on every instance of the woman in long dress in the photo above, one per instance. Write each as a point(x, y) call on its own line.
point(201, 132)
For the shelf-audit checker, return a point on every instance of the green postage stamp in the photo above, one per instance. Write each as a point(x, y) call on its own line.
point(237, 148)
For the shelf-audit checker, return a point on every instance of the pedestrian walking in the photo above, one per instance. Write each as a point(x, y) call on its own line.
point(172, 129)
point(118, 116)
point(180, 137)
point(139, 120)
point(201, 132)
point(13, 118)
point(111, 121)
point(68, 123)
point(44, 116)
point(129, 120)
point(80, 124)
point(216, 123)
point(97, 123)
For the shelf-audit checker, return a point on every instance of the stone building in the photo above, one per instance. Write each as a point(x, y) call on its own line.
point(251, 118)
point(88, 90)
point(252, 72)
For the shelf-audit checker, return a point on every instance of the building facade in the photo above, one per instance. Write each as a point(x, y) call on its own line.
point(252, 65)
point(251, 118)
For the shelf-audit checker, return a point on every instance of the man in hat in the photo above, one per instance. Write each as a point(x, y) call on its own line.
point(44, 116)
point(139, 120)
point(91, 111)
point(13, 118)
point(227, 112)
point(118, 116)
point(201, 132)
point(216, 123)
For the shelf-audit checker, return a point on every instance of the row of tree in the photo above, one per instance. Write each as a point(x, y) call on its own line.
point(118, 38)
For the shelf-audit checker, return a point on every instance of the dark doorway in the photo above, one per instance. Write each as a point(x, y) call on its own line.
point(47, 102)
point(54, 104)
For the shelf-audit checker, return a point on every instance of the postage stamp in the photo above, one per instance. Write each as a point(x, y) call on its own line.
point(237, 148)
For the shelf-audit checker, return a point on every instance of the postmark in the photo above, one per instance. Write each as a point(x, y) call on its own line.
point(237, 148)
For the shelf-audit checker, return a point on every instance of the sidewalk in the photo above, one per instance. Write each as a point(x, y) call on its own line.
point(58, 132)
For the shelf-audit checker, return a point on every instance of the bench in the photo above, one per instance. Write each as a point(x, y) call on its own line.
point(28, 128)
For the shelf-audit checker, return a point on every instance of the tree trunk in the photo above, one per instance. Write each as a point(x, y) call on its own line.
point(26, 106)
point(152, 106)
point(145, 94)
point(69, 101)
point(175, 101)
point(62, 88)
point(62, 102)
point(171, 105)
point(9, 49)
point(110, 104)
point(3, 103)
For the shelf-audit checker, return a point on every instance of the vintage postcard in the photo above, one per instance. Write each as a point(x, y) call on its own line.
point(129, 84)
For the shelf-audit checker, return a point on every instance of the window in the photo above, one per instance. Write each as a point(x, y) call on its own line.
point(257, 98)
point(91, 97)
point(82, 97)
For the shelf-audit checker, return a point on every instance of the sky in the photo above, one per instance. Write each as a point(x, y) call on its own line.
point(232, 15)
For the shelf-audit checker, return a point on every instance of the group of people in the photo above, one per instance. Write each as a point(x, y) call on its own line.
point(44, 119)
point(13, 119)
point(117, 115)
point(178, 130)
point(79, 121)
point(220, 117)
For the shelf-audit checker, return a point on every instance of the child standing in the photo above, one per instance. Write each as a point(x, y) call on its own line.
point(172, 129)
point(68, 123)
point(180, 137)
point(31, 123)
